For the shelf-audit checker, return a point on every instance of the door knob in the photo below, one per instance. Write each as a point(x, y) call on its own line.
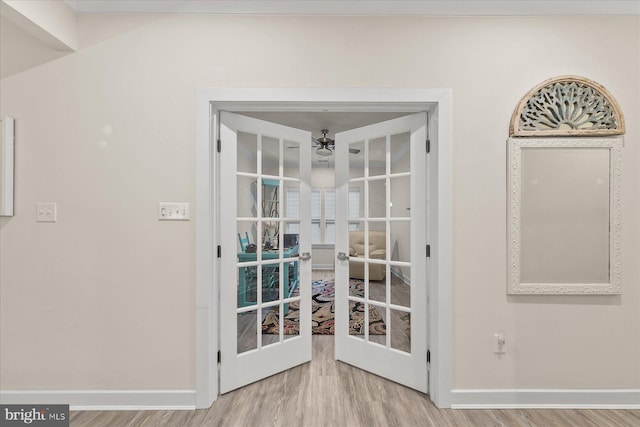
point(342, 256)
point(306, 256)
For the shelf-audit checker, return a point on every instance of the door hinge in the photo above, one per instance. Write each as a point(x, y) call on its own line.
point(428, 145)
point(428, 357)
point(219, 251)
point(428, 251)
point(219, 145)
point(219, 356)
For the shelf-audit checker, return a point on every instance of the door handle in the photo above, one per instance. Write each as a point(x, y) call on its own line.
point(306, 256)
point(342, 256)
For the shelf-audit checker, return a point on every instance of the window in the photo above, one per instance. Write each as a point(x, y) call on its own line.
point(292, 209)
point(354, 207)
point(330, 216)
point(316, 215)
point(323, 221)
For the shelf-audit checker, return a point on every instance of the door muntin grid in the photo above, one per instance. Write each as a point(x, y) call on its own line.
point(268, 273)
point(384, 177)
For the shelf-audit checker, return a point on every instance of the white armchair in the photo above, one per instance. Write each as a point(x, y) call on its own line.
point(377, 250)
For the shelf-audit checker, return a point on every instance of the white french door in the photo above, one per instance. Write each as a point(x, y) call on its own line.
point(381, 266)
point(265, 292)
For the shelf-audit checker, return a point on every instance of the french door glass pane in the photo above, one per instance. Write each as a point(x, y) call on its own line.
point(270, 198)
point(247, 331)
point(356, 161)
point(247, 286)
point(400, 153)
point(247, 152)
point(247, 197)
point(291, 234)
point(247, 234)
point(270, 156)
point(291, 279)
point(400, 196)
point(271, 325)
point(377, 324)
point(377, 156)
point(377, 198)
point(377, 284)
point(357, 321)
point(292, 199)
point(355, 201)
point(291, 159)
point(270, 282)
point(400, 235)
point(401, 286)
point(400, 330)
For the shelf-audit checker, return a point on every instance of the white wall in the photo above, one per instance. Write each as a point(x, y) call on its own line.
point(104, 298)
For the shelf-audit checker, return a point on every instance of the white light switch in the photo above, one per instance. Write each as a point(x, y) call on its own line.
point(46, 212)
point(174, 211)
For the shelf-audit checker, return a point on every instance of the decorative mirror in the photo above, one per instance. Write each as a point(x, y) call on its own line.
point(6, 167)
point(565, 190)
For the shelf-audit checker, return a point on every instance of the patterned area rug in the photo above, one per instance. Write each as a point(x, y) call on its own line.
point(322, 313)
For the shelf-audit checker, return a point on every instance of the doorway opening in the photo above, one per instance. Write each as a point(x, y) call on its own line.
point(324, 125)
point(278, 102)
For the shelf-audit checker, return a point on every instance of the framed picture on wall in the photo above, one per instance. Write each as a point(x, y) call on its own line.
point(6, 166)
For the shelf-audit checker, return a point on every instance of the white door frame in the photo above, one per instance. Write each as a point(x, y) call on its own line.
point(211, 101)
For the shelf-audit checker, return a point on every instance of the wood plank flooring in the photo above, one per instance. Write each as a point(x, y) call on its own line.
point(328, 393)
point(325, 392)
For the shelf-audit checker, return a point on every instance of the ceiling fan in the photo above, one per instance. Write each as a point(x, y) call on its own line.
point(326, 145)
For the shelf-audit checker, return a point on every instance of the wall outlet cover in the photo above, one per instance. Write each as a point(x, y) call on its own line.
point(46, 212)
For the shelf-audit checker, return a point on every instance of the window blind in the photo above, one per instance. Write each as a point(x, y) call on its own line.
point(354, 207)
point(316, 211)
point(292, 206)
point(292, 209)
point(330, 215)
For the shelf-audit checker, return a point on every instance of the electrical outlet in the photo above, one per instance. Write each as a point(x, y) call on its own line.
point(168, 211)
point(46, 212)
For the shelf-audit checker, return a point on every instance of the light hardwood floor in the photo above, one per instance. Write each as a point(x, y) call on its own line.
point(328, 393)
point(325, 392)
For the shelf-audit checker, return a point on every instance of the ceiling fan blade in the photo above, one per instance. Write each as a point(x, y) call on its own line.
point(354, 150)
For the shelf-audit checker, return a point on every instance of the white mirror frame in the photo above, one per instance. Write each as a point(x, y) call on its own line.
point(6, 167)
point(515, 286)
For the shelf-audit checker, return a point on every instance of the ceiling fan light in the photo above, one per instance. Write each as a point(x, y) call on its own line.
point(323, 151)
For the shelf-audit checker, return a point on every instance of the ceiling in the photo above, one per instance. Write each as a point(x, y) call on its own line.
point(362, 7)
point(314, 122)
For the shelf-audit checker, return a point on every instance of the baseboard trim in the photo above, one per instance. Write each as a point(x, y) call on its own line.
point(104, 400)
point(540, 398)
point(404, 278)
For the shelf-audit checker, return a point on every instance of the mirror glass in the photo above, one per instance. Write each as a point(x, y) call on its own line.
point(564, 219)
point(565, 215)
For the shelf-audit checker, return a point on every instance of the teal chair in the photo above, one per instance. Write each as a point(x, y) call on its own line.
point(244, 241)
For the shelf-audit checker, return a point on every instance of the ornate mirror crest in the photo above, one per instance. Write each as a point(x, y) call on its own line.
point(567, 106)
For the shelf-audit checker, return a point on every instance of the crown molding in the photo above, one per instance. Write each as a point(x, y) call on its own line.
point(362, 7)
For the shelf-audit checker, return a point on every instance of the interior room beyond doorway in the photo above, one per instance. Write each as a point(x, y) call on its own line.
point(326, 125)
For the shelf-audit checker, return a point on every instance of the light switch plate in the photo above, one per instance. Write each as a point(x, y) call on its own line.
point(46, 212)
point(170, 211)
